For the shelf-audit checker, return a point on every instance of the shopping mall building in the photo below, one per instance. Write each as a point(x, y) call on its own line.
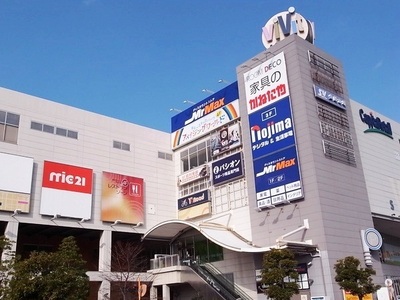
point(281, 158)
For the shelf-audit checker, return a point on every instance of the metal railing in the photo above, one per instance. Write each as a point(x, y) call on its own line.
point(164, 260)
point(227, 283)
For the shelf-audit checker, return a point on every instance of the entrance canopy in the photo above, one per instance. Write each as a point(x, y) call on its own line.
point(221, 235)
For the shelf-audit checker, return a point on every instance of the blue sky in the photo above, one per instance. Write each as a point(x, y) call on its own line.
point(135, 59)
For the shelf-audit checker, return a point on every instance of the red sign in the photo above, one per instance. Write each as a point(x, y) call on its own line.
point(66, 177)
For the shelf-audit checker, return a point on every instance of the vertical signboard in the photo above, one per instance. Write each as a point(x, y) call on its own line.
point(273, 143)
point(66, 190)
point(122, 198)
point(15, 182)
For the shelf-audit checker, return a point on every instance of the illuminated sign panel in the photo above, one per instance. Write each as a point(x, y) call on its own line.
point(277, 178)
point(66, 190)
point(122, 198)
point(15, 182)
point(266, 83)
point(271, 128)
point(284, 24)
point(215, 111)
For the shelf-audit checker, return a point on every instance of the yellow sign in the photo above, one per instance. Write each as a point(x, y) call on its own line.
point(348, 296)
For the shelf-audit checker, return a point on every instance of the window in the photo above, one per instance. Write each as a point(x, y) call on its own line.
point(121, 145)
point(61, 131)
point(164, 155)
point(54, 130)
point(9, 124)
point(196, 156)
point(48, 128)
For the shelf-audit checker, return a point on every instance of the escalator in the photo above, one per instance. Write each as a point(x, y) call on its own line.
point(221, 285)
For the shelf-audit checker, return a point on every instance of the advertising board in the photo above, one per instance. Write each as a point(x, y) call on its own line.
point(66, 190)
point(15, 182)
point(213, 112)
point(122, 198)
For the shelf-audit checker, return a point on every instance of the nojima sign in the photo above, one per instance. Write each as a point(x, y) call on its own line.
point(284, 24)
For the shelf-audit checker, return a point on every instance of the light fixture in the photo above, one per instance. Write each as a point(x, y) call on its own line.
point(83, 220)
point(56, 216)
point(116, 222)
point(309, 264)
point(207, 91)
point(16, 212)
point(188, 101)
point(137, 225)
point(175, 109)
point(393, 215)
point(223, 81)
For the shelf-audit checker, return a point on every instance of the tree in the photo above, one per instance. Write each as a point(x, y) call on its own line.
point(354, 279)
point(6, 265)
point(51, 276)
point(279, 274)
point(127, 261)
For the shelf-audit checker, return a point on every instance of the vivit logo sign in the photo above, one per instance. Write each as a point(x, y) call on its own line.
point(284, 24)
point(375, 124)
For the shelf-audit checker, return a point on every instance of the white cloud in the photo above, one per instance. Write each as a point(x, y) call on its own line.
point(378, 65)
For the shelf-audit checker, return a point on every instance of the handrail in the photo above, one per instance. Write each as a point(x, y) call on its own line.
point(226, 282)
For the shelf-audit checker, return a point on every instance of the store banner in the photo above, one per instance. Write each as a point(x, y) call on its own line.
point(227, 169)
point(271, 128)
point(66, 190)
point(277, 178)
point(266, 83)
point(205, 116)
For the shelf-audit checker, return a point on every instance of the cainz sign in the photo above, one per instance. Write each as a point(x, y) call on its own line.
point(284, 24)
point(375, 124)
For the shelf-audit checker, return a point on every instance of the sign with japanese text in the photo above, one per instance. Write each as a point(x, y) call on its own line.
point(271, 128)
point(193, 175)
point(277, 178)
point(227, 169)
point(122, 198)
point(329, 97)
point(266, 83)
point(215, 111)
point(66, 190)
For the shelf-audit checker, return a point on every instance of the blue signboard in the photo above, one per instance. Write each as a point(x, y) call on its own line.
point(193, 200)
point(271, 128)
point(277, 178)
point(227, 169)
point(329, 97)
point(208, 105)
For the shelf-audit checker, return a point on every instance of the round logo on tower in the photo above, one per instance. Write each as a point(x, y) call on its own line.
point(284, 24)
